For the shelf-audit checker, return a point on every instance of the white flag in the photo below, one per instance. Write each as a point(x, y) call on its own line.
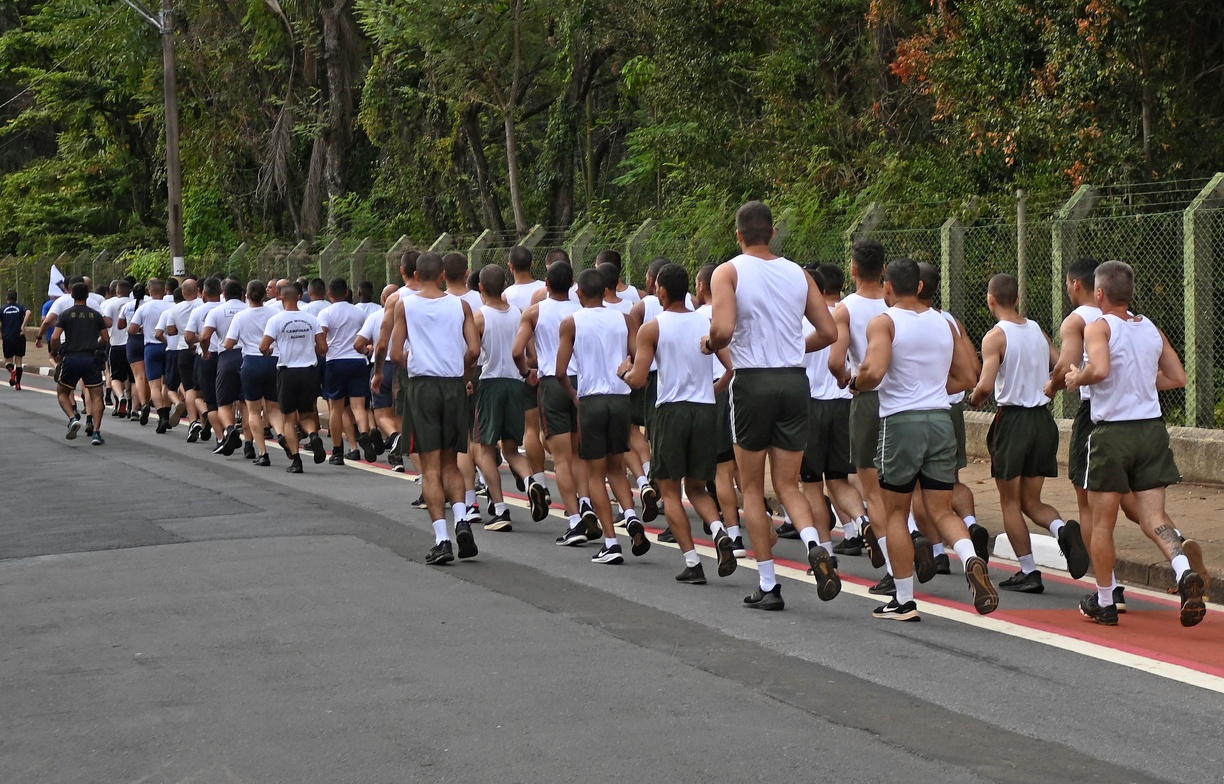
point(56, 287)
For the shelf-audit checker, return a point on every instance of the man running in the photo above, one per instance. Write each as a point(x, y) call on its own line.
point(1023, 439)
point(205, 377)
point(13, 320)
point(455, 273)
point(297, 339)
point(180, 360)
point(120, 371)
point(228, 368)
point(520, 295)
point(382, 397)
point(347, 377)
point(1129, 360)
point(80, 333)
point(144, 322)
point(258, 372)
point(760, 300)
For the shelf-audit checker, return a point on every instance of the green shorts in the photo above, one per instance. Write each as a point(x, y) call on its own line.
point(917, 447)
point(685, 441)
point(649, 396)
point(958, 429)
point(401, 399)
point(828, 448)
point(499, 411)
point(724, 442)
point(864, 429)
point(1077, 454)
point(439, 414)
point(1023, 442)
point(531, 395)
point(557, 413)
point(1130, 456)
point(603, 426)
point(769, 408)
point(637, 406)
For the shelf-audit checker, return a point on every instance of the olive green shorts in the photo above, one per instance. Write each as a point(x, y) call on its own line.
point(769, 408)
point(1023, 442)
point(685, 441)
point(917, 447)
point(499, 411)
point(724, 441)
point(1130, 456)
point(828, 447)
point(603, 426)
point(401, 399)
point(637, 406)
point(531, 395)
point(649, 396)
point(864, 429)
point(439, 413)
point(958, 429)
point(557, 413)
point(1077, 454)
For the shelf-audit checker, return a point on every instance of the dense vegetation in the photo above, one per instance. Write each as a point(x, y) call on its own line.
point(317, 118)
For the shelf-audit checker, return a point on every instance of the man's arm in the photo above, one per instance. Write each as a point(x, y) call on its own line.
point(321, 341)
point(879, 354)
point(638, 363)
point(472, 338)
point(993, 346)
point(1096, 369)
point(963, 373)
point(397, 337)
point(25, 321)
point(818, 314)
point(526, 332)
point(394, 315)
point(56, 337)
point(1071, 336)
point(1171, 375)
point(206, 340)
point(840, 349)
point(722, 319)
point(265, 345)
point(564, 353)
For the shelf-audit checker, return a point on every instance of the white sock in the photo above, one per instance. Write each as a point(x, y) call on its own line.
point(970, 520)
point(884, 549)
point(964, 550)
point(692, 559)
point(1055, 527)
point(938, 549)
point(809, 536)
point(850, 529)
point(1181, 565)
point(440, 534)
point(733, 531)
point(766, 571)
point(912, 523)
point(460, 511)
point(1105, 596)
point(646, 467)
point(828, 546)
point(574, 520)
point(608, 542)
point(1028, 563)
point(584, 500)
point(630, 514)
point(717, 526)
point(642, 482)
point(469, 497)
point(500, 508)
point(540, 479)
point(905, 589)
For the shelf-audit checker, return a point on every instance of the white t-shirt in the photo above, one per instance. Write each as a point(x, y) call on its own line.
point(195, 323)
point(368, 307)
point(179, 315)
point(65, 301)
point(314, 307)
point(247, 330)
point(293, 333)
point(147, 316)
point(371, 328)
point(519, 294)
point(110, 309)
point(219, 318)
point(342, 322)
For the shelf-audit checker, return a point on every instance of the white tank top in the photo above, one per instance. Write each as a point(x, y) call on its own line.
point(624, 306)
point(601, 343)
point(631, 294)
point(1089, 313)
point(959, 396)
point(684, 373)
point(715, 365)
point(1026, 366)
point(548, 333)
point(821, 382)
point(771, 297)
point(497, 343)
point(519, 294)
point(917, 378)
point(861, 311)
point(435, 336)
point(1129, 392)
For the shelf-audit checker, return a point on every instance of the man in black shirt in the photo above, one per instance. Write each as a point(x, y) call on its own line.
point(80, 335)
point(13, 319)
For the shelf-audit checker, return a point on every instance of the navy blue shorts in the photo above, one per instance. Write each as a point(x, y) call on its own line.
point(346, 378)
point(79, 367)
point(135, 349)
point(155, 360)
point(229, 377)
point(258, 378)
point(385, 396)
point(173, 380)
point(206, 380)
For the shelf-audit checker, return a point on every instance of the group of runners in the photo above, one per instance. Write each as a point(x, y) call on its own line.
point(673, 398)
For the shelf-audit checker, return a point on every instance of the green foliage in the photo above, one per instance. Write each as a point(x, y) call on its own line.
point(145, 263)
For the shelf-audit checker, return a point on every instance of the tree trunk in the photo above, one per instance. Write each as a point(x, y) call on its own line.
point(489, 203)
point(340, 44)
point(512, 167)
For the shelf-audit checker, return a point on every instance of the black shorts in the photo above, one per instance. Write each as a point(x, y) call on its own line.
point(297, 390)
point(78, 367)
point(206, 380)
point(346, 379)
point(15, 347)
point(259, 378)
point(172, 378)
point(120, 370)
point(229, 377)
point(187, 369)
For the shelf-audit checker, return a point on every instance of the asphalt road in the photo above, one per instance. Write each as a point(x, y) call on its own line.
point(167, 615)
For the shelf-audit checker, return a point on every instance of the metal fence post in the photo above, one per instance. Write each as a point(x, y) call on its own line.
point(326, 257)
point(1199, 303)
point(93, 265)
point(238, 256)
point(300, 253)
point(392, 257)
point(862, 226)
point(442, 244)
point(477, 250)
point(952, 265)
point(633, 247)
point(533, 238)
point(1021, 248)
point(578, 246)
point(357, 271)
point(1064, 235)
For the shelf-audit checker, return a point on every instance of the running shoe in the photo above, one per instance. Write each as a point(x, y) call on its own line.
point(193, 432)
point(985, 596)
point(441, 553)
point(740, 550)
point(535, 495)
point(943, 564)
point(573, 537)
point(725, 547)
point(316, 446)
point(885, 587)
point(787, 531)
point(609, 554)
point(419, 503)
point(74, 425)
point(162, 425)
point(263, 460)
point(108, 398)
point(500, 522)
point(824, 569)
point(144, 414)
point(874, 551)
point(852, 545)
point(1119, 597)
point(376, 438)
point(641, 545)
point(248, 450)
point(465, 539)
point(284, 444)
point(177, 413)
point(692, 575)
point(231, 441)
point(892, 611)
point(1193, 609)
point(981, 541)
point(335, 459)
point(590, 520)
point(650, 503)
point(1090, 607)
point(1024, 583)
point(368, 451)
point(89, 428)
point(765, 600)
point(295, 465)
point(97, 439)
point(666, 536)
point(924, 558)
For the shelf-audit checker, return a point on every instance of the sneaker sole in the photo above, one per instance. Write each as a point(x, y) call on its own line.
point(924, 560)
point(1077, 557)
point(578, 541)
point(440, 560)
point(641, 545)
point(539, 509)
point(766, 606)
point(726, 556)
point(985, 596)
point(650, 504)
point(828, 582)
point(231, 443)
point(500, 525)
point(906, 617)
point(1193, 609)
point(613, 560)
point(1034, 589)
point(692, 581)
point(873, 547)
point(466, 544)
point(319, 451)
point(73, 429)
point(1101, 621)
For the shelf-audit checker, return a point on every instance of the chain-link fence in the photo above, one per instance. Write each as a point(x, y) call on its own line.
point(1172, 233)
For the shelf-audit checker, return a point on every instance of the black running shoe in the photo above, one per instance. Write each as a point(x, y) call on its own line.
point(786, 531)
point(849, 546)
point(885, 587)
point(144, 414)
point(1071, 542)
point(1090, 607)
point(393, 445)
point(666, 536)
point(641, 545)
point(943, 564)
point(590, 520)
point(89, 428)
point(206, 432)
point(892, 611)
point(924, 558)
point(1024, 583)
point(284, 444)
point(519, 483)
point(740, 551)
point(765, 600)
point(419, 503)
point(263, 460)
point(248, 450)
point(193, 432)
point(985, 597)
point(981, 541)
point(398, 465)
point(354, 454)
point(650, 503)
point(500, 522)
point(74, 426)
point(122, 408)
point(535, 495)
point(874, 551)
point(231, 441)
point(295, 466)
point(573, 537)
point(828, 581)
point(97, 439)
point(692, 575)
point(380, 444)
point(316, 446)
point(725, 547)
point(108, 398)
point(368, 450)
point(162, 426)
point(440, 554)
point(609, 554)
point(1119, 597)
point(268, 434)
point(134, 414)
point(1193, 609)
point(465, 539)
point(177, 413)
point(336, 460)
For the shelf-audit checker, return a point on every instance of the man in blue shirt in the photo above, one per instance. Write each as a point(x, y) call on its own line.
point(13, 320)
